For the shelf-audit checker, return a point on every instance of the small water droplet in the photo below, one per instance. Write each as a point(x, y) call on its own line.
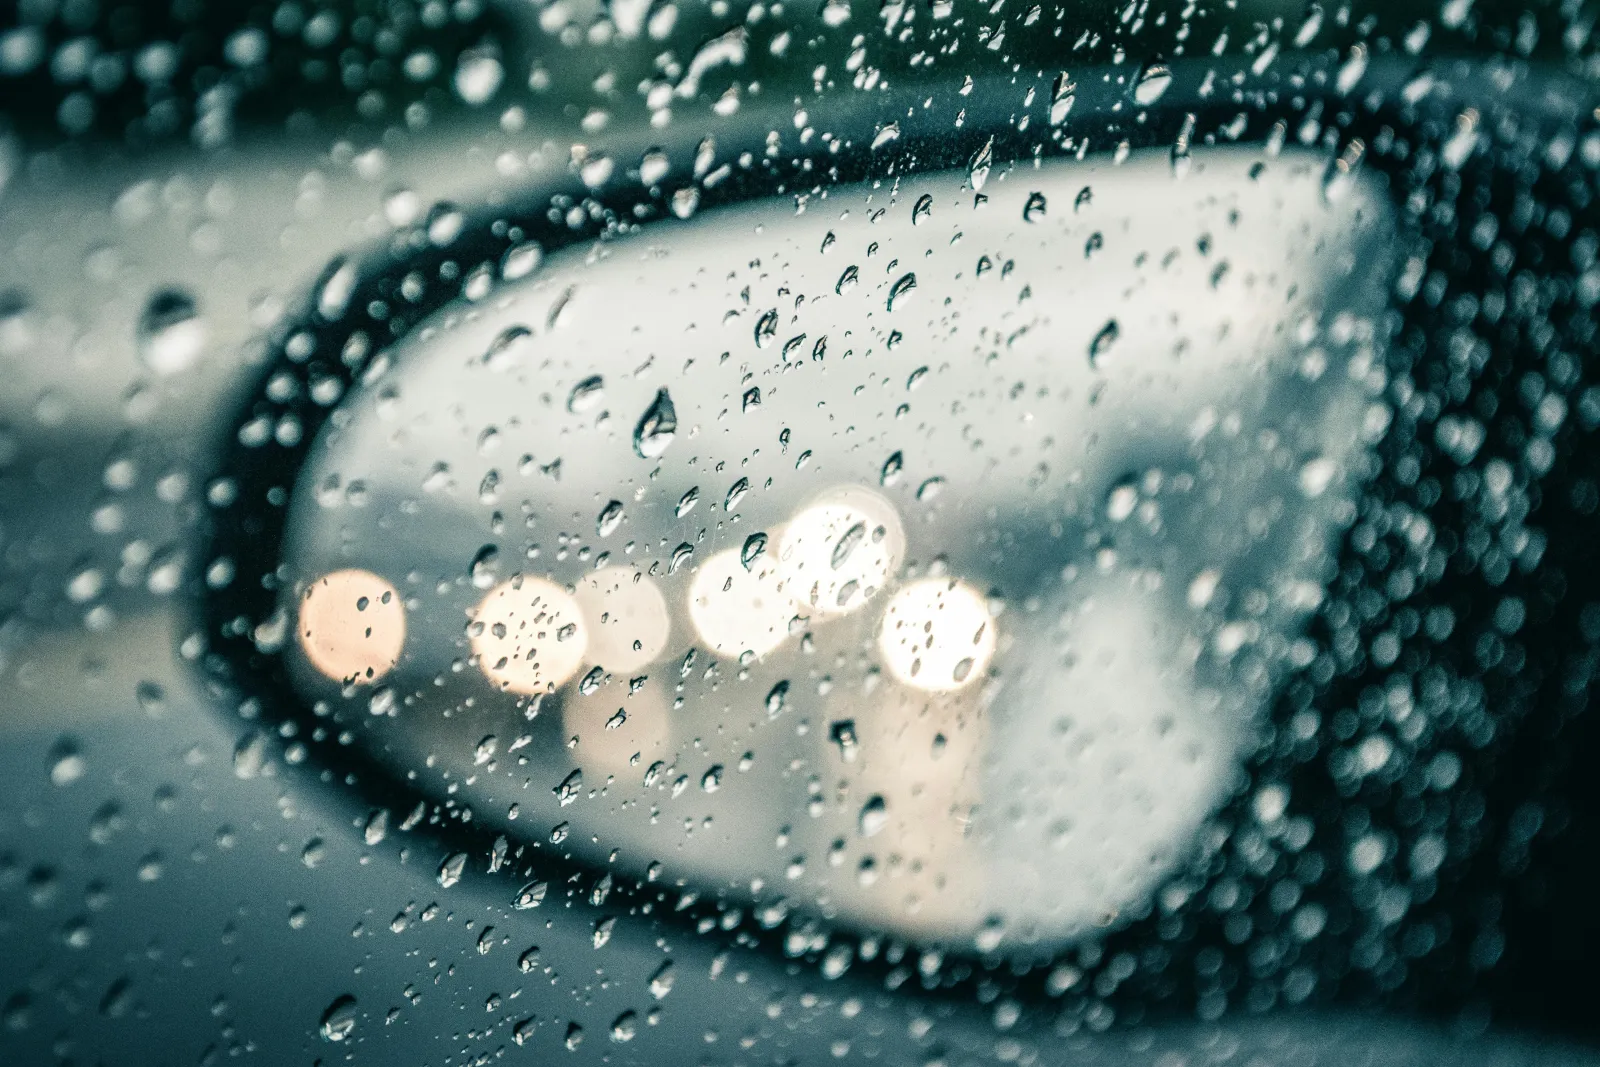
point(574, 1036)
point(610, 517)
point(922, 209)
point(711, 781)
point(736, 493)
point(847, 280)
point(751, 399)
point(777, 699)
point(569, 788)
point(657, 427)
point(1035, 208)
point(662, 980)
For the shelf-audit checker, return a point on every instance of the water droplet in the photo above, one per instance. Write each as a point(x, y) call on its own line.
point(843, 734)
point(837, 961)
point(1151, 84)
point(625, 1026)
point(339, 1020)
point(66, 762)
point(609, 519)
point(530, 896)
point(1103, 341)
point(662, 980)
point(587, 394)
point(1035, 208)
point(1181, 159)
point(250, 755)
point(874, 816)
point(592, 681)
point(171, 332)
point(485, 750)
point(847, 544)
point(754, 546)
point(1122, 499)
point(485, 567)
point(835, 12)
point(1095, 242)
point(444, 224)
point(338, 285)
point(766, 328)
point(521, 260)
point(777, 699)
point(886, 133)
point(314, 852)
point(478, 76)
point(1063, 94)
point(376, 827)
point(574, 1036)
point(899, 290)
point(656, 428)
point(711, 781)
point(890, 472)
point(978, 168)
point(450, 870)
point(736, 493)
point(569, 788)
point(930, 488)
point(508, 349)
point(1084, 198)
point(522, 1033)
point(751, 399)
point(847, 280)
point(653, 167)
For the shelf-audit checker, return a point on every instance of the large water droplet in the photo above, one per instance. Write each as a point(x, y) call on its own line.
point(657, 427)
point(1035, 208)
point(1151, 84)
point(1103, 341)
point(754, 546)
point(171, 332)
point(898, 292)
point(450, 870)
point(609, 519)
point(874, 816)
point(978, 167)
point(509, 348)
point(766, 328)
point(339, 1020)
point(587, 394)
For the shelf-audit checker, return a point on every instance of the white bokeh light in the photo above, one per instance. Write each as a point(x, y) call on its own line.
point(529, 635)
point(840, 550)
point(627, 618)
point(937, 635)
point(736, 609)
point(351, 626)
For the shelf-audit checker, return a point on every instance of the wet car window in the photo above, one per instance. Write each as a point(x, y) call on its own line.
point(924, 532)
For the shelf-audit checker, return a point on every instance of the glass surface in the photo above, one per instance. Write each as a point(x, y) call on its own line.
point(927, 533)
